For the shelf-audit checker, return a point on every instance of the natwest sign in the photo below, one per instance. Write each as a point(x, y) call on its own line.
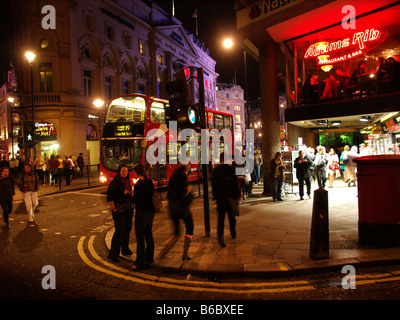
point(346, 48)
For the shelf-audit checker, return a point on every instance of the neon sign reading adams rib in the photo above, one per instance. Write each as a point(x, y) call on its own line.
point(348, 47)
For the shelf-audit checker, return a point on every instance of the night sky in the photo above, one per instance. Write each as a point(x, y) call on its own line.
point(216, 20)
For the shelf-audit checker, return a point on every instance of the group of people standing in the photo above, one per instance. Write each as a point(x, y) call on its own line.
point(28, 175)
point(321, 166)
point(123, 202)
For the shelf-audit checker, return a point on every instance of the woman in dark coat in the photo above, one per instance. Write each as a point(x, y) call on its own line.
point(144, 216)
point(303, 174)
point(119, 197)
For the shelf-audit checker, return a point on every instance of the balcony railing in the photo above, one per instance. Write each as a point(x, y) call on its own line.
point(335, 91)
point(47, 98)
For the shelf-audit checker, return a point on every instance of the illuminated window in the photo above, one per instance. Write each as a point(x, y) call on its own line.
point(46, 77)
point(142, 47)
point(157, 112)
point(126, 109)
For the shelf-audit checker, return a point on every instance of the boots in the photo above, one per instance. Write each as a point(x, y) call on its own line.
point(168, 245)
point(186, 245)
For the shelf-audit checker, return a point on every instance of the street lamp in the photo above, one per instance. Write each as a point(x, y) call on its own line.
point(228, 44)
point(99, 103)
point(31, 56)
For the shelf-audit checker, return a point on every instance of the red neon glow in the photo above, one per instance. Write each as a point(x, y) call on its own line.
point(360, 41)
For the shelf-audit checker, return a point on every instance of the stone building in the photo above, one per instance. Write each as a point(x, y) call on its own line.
point(98, 49)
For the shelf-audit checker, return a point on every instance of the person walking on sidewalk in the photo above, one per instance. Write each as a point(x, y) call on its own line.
point(277, 176)
point(29, 185)
point(302, 166)
point(179, 201)
point(144, 216)
point(225, 188)
point(119, 197)
point(81, 163)
point(7, 192)
point(320, 166)
point(68, 165)
point(40, 167)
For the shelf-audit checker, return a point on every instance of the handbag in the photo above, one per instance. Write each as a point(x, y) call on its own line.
point(234, 206)
point(124, 207)
point(334, 166)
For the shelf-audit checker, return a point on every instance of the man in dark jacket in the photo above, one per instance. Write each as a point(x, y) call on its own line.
point(225, 186)
point(302, 166)
point(6, 194)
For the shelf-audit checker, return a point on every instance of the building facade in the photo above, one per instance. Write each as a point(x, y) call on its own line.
point(334, 64)
point(98, 49)
point(10, 125)
point(230, 99)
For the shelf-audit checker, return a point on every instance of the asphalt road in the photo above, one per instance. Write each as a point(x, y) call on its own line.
point(62, 256)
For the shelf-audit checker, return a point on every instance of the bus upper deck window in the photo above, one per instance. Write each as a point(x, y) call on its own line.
point(157, 112)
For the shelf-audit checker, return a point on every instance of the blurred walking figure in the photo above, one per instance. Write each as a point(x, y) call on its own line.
point(179, 201)
point(225, 186)
point(144, 216)
point(29, 185)
point(350, 174)
point(6, 194)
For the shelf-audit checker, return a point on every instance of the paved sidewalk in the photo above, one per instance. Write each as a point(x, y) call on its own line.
point(272, 237)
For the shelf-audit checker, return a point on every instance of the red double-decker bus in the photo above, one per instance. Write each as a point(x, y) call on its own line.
point(128, 120)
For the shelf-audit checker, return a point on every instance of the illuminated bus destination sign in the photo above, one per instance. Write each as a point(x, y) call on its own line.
point(123, 130)
point(348, 48)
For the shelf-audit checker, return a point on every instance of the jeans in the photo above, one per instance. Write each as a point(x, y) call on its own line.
point(144, 237)
point(123, 227)
point(31, 203)
point(222, 208)
point(7, 208)
point(277, 188)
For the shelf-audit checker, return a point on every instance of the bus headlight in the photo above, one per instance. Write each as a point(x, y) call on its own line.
point(103, 179)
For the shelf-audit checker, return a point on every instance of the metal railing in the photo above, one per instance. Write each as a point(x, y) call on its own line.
point(86, 176)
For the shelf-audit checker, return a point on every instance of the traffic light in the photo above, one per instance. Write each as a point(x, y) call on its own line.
point(29, 132)
point(180, 108)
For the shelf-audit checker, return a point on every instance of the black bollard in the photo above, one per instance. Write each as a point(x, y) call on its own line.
point(319, 242)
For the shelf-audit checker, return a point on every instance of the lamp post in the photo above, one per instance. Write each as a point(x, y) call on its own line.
point(31, 56)
point(99, 103)
point(228, 44)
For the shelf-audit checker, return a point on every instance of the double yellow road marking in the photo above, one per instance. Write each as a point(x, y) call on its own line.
point(170, 283)
point(101, 265)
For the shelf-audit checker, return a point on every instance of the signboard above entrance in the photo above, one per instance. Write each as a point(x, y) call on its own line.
point(45, 131)
point(347, 48)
